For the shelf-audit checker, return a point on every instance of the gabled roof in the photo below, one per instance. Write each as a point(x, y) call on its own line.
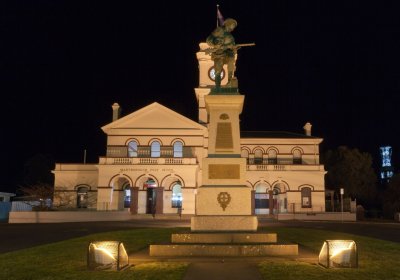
point(154, 116)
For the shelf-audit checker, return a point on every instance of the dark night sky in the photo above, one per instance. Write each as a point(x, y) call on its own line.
point(332, 63)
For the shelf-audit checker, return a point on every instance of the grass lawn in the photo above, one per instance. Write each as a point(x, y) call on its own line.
point(67, 259)
point(378, 259)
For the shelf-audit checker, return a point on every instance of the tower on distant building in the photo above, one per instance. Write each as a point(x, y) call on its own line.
point(386, 171)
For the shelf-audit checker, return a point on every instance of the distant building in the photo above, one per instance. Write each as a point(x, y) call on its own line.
point(387, 170)
point(5, 205)
point(153, 163)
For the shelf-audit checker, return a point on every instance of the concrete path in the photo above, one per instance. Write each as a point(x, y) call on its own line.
point(221, 268)
point(222, 271)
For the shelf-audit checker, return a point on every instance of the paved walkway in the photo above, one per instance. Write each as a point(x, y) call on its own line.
point(220, 268)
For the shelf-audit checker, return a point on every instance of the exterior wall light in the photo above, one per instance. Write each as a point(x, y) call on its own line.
point(110, 255)
point(338, 253)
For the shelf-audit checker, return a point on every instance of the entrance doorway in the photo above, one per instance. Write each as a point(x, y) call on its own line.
point(261, 200)
point(151, 196)
point(82, 197)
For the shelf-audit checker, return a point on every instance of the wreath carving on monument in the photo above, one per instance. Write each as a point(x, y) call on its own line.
point(224, 198)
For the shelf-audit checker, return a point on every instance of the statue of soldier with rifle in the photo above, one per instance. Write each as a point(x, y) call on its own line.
point(223, 50)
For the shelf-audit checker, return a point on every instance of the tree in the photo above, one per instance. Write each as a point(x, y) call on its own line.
point(40, 192)
point(391, 199)
point(352, 170)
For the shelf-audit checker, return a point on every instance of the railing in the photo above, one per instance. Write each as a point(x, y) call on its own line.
point(284, 167)
point(145, 151)
point(148, 161)
point(279, 161)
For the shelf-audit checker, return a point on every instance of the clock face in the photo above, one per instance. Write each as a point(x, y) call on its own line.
point(211, 73)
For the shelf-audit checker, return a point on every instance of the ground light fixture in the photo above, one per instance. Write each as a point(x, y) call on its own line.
point(338, 253)
point(107, 255)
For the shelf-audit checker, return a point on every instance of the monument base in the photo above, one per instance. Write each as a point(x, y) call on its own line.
point(224, 223)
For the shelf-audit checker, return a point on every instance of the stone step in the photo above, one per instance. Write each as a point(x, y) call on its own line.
point(223, 250)
point(213, 238)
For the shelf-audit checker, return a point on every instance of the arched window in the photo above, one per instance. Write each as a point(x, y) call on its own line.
point(176, 199)
point(258, 156)
point(178, 149)
point(155, 149)
point(306, 197)
point(297, 157)
point(132, 149)
point(245, 154)
point(272, 157)
point(82, 197)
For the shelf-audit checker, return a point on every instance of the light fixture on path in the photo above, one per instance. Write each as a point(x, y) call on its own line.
point(103, 255)
point(338, 253)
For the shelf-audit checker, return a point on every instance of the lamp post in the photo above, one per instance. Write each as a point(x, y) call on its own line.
point(341, 201)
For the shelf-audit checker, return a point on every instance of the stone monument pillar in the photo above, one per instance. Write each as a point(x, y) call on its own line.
point(223, 202)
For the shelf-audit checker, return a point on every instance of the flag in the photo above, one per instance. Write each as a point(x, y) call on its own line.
point(220, 18)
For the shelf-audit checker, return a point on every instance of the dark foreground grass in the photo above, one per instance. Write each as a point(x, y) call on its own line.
point(67, 259)
point(378, 259)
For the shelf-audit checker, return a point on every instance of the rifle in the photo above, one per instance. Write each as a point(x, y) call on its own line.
point(235, 47)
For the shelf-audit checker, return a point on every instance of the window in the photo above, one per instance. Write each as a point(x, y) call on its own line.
point(155, 149)
point(176, 199)
point(306, 197)
point(258, 157)
point(261, 199)
point(178, 149)
point(272, 157)
point(82, 197)
point(297, 157)
point(132, 149)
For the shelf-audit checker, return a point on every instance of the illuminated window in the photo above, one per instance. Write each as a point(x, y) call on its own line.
point(155, 149)
point(176, 198)
point(386, 154)
point(306, 197)
point(178, 149)
point(132, 149)
point(261, 200)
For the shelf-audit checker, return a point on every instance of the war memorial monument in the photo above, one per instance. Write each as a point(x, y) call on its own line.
point(223, 224)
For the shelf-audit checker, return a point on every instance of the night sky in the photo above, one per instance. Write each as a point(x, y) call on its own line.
point(63, 64)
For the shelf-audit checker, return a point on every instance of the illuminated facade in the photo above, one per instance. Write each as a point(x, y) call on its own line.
point(153, 164)
point(386, 167)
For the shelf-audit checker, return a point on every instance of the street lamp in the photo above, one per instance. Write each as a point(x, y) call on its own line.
point(341, 200)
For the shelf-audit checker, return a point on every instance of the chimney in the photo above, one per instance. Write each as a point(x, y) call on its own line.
point(116, 111)
point(307, 129)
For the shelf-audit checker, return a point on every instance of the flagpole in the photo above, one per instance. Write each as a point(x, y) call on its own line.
point(217, 14)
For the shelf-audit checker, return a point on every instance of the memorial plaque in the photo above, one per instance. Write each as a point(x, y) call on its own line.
point(224, 171)
point(224, 136)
